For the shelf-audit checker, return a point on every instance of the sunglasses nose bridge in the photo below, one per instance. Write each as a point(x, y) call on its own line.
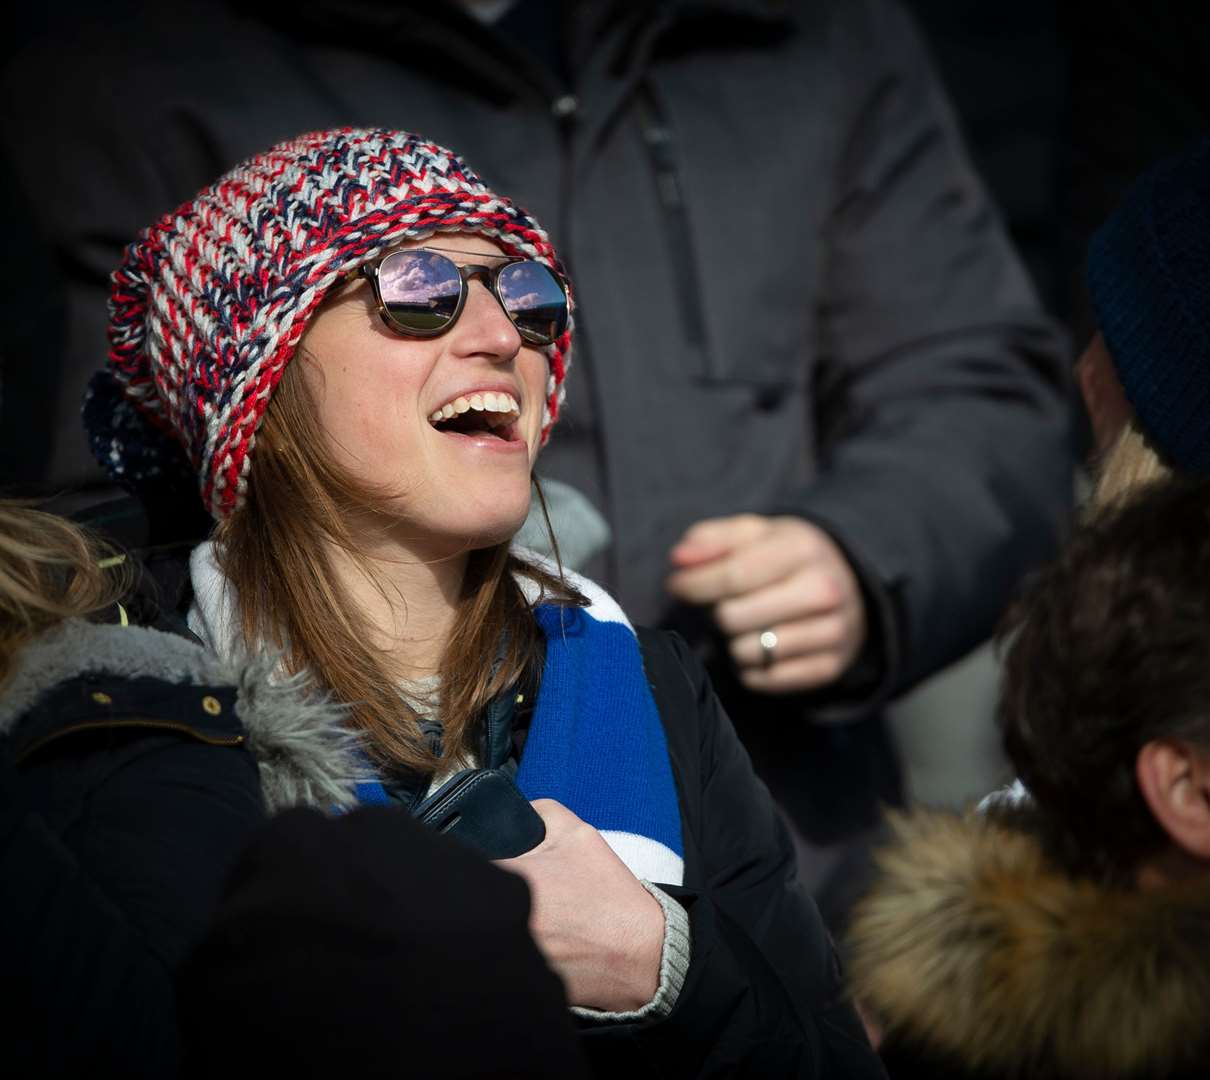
point(487, 275)
point(470, 271)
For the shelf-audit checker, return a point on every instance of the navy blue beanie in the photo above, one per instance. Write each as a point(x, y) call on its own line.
point(1149, 277)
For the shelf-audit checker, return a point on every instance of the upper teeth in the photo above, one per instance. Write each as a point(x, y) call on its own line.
point(484, 402)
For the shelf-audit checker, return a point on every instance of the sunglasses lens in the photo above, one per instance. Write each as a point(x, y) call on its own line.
point(534, 300)
point(420, 290)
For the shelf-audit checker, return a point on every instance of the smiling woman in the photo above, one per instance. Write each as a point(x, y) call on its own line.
point(398, 505)
point(357, 351)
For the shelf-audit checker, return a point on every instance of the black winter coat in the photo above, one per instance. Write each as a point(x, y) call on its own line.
point(130, 782)
point(123, 816)
point(118, 820)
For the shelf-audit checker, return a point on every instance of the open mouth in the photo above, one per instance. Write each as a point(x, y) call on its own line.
point(492, 415)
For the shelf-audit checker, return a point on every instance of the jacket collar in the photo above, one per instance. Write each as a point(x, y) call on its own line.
point(304, 751)
point(976, 947)
point(77, 648)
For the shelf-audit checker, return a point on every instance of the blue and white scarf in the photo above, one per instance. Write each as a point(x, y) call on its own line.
point(595, 743)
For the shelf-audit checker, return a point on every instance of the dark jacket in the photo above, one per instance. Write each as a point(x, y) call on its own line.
point(763, 994)
point(981, 960)
point(135, 766)
point(794, 293)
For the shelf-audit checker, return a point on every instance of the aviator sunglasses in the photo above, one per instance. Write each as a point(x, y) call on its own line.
point(420, 292)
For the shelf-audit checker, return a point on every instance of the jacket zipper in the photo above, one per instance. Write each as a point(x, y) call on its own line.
point(97, 725)
point(661, 150)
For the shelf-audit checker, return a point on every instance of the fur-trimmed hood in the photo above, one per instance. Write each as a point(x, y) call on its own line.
point(304, 751)
point(974, 947)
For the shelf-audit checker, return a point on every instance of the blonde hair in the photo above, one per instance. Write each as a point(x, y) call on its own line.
point(276, 552)
point(1129, 465)
point(50, 570)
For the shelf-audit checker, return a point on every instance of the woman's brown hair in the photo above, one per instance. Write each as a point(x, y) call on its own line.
point(50, 570)
point(276, 552)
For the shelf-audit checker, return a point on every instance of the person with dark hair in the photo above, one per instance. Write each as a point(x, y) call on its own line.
point(1143, 375)
point(1068, 935)
point(1106, 677)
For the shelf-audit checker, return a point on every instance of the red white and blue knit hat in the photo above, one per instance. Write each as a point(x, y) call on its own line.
point(208, 305)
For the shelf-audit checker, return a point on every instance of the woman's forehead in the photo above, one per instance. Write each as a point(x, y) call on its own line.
point(461, 247)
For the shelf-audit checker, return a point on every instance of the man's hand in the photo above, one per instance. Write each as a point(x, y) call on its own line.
point(600, 930)
point(780, 574)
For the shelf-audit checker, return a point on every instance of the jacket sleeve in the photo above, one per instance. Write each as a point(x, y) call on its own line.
point(101, 892)
point(764, 994)
point(944, 462)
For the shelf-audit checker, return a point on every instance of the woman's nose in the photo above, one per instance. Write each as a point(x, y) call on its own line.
point(484, 328)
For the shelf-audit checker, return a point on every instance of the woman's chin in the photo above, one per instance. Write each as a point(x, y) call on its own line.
point(486, 530)
point(503, 530)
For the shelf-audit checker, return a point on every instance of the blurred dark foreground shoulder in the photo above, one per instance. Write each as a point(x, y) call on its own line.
point(367, 944)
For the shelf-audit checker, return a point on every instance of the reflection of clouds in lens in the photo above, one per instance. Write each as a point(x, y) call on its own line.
point(529, 300)
point(532, 295)
point(416, 278)
point(529, 284)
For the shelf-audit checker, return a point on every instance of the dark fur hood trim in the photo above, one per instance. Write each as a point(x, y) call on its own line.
point(974, 946)
point(305, 752)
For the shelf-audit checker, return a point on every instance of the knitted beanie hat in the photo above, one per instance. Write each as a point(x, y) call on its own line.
point(1149, 277)
point(208, 305)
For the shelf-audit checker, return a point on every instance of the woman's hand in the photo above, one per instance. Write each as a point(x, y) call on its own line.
point(600, 930)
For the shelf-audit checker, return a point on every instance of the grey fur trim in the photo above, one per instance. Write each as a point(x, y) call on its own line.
point(304, 751)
